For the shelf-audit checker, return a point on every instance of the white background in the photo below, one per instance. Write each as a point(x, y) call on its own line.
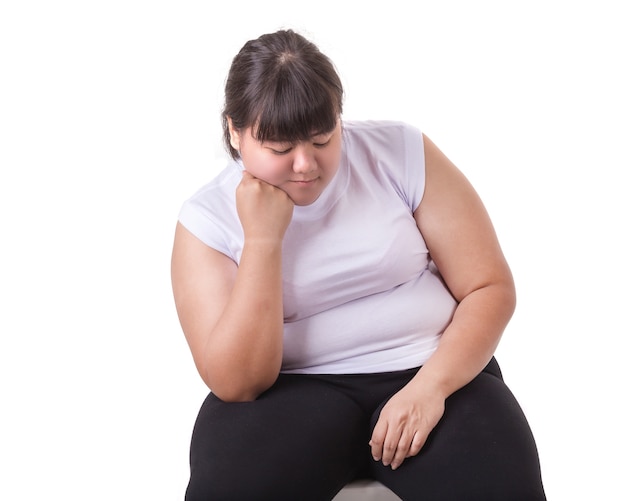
point(109, 120)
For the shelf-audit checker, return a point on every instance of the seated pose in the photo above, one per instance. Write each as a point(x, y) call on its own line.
point(342, 291)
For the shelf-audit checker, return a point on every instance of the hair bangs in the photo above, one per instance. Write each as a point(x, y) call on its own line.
point(297, 109)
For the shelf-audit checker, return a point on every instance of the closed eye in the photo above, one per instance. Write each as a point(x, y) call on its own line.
point(321, 145)
point(281, 152)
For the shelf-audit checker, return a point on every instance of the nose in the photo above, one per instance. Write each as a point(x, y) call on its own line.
point(304, 159)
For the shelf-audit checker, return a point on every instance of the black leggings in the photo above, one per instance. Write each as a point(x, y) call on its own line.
point(307, 436)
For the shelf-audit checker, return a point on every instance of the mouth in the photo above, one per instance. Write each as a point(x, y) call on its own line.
point(304, 182)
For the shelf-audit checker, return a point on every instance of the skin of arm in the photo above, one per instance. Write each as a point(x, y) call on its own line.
point(464, 246)
point(232, 316)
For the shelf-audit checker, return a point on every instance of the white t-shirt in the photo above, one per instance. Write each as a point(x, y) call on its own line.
point(360, 293)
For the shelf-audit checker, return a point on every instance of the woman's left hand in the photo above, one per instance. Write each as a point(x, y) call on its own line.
point(404, 424)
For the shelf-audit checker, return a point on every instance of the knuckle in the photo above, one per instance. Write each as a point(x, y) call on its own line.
point(402, 449)
point(416, 446)
point(376, 443)
point(389, 448)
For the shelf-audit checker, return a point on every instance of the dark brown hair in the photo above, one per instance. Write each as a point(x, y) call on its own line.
point(282, 86)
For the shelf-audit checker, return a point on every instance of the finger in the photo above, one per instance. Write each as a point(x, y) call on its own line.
point(378, 440)
point(419, 439)
point(402, 449)
point(390, 446)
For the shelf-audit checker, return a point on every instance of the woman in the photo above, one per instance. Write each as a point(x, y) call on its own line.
point(342, 291)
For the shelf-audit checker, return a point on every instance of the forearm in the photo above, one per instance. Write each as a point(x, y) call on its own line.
point(469, 341)
point(244, 350)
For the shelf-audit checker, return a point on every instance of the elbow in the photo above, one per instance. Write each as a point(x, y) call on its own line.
point(503, 292)
point(237, 378)
point(504, 301)
point(237, 395)
point(513, 301)
point(238, 390)
point(504, 297)
point(510, 295)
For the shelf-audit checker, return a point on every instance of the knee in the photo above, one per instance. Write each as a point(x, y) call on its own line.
point(199, 488)
point(207, 485)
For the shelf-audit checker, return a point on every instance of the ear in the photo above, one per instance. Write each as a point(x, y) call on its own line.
point(235, 136)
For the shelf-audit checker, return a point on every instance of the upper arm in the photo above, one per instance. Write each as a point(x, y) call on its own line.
point(202, 279)
point(457, 229)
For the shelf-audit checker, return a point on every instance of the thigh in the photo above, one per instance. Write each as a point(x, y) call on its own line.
point(482, 449)
point(299, 440)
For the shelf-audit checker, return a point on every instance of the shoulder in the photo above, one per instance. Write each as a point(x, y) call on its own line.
point(219, 188)
point(383, 130)
point(393, 140)
point(388, 151)
point(210, 213)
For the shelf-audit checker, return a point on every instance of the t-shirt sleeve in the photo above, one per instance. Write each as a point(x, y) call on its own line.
point(211, 214)
point(415, 166)
point(202, 226)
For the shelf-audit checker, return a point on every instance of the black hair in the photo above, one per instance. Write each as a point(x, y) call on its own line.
point(282, 86)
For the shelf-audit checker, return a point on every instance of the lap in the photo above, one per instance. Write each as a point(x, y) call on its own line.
point(308, 436)
point(302, 439)
point(482, 449)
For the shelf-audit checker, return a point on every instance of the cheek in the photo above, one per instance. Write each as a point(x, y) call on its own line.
point(329, 159)
point(270, 169)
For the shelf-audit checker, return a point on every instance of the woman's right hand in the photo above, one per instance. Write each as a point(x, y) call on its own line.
point(264, 210)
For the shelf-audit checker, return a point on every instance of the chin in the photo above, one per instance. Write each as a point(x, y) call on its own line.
point(303, 202)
